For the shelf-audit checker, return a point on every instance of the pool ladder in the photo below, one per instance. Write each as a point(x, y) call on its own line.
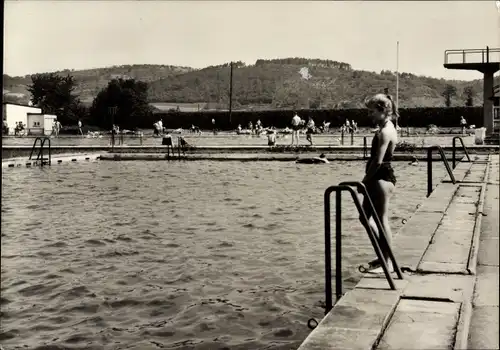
point(375, 241)
point(40, 154)
point(445, 161)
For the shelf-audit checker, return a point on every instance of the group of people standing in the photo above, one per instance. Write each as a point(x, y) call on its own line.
point(310, 126)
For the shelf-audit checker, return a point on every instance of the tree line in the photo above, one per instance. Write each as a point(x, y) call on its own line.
point(55, 94)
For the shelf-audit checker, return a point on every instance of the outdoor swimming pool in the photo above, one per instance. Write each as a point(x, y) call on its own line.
point(176, 255)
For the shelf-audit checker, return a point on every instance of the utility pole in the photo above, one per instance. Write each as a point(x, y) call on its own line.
point(397, 75)
point(230, 93)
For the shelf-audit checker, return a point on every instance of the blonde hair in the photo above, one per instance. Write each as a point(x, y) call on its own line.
point(384, 103)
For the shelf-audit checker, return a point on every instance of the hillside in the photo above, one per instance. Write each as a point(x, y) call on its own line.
point(267, 84)
point(91, 81)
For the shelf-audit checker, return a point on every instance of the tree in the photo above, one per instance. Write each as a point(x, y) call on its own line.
point(54, 94)
point(448, 93)
point(469, 96)
point(131, 98)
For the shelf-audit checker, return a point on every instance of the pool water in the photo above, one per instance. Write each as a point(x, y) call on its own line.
point(176, 255)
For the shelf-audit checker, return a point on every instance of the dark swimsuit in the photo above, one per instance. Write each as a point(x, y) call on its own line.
point(385, 171)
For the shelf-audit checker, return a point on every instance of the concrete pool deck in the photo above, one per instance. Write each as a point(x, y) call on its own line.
point(450, 293)
point(24, 151)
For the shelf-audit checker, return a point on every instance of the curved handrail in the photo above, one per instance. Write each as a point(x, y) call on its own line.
point(40, 152)
point(429, 167)
point(34, 145)
point(454, 150)
point(338, 238)
point(362, 188)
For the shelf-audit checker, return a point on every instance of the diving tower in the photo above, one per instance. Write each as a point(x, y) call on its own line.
point(486, 61)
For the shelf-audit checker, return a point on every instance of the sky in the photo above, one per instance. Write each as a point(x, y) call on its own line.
point(43, 36)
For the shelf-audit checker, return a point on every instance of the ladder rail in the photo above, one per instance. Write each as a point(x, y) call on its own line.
point(34, 145)
point(347, 187)
point(429, 167)
point(361, 187)
point(453, 158)
point(46, 139)
point(41, 149)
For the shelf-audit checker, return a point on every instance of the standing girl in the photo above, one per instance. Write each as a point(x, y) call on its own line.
point(379, 175)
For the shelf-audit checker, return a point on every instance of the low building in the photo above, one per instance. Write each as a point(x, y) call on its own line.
point(14, 113)
point(40, 124)
point(35, 122)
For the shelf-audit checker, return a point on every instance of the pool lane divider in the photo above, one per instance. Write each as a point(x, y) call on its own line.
point(58, 159)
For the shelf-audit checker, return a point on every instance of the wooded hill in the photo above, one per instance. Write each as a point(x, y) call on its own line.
point(267, 84)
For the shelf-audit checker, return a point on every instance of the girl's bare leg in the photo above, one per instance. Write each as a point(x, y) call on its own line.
point(380, 194)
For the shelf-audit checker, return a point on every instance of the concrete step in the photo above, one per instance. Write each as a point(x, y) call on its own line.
point(421, 324)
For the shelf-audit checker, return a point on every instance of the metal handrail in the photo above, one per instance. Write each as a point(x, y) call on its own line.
point(365, 147)
point(42, 148)
point(429, 167)
point(347, 186)
point(485, 53)
point(34, 145)
point(454, 151)
point(40, 151)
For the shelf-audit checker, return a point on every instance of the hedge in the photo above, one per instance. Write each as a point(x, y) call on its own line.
point(413, 117)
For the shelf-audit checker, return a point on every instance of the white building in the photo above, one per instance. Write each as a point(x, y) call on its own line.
point(35, 122)
point(13, 113)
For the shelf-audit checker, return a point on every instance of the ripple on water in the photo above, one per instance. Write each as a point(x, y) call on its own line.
point(211, 256)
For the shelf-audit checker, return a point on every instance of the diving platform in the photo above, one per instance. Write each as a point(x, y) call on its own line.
point(482, 60)
point(486, 61)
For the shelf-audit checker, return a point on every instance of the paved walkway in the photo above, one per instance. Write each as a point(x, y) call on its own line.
point(485, 324)
point(448, 298)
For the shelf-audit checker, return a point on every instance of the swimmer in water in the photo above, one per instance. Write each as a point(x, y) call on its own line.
point(315, 160)
point(322, 158)
point(379, 179)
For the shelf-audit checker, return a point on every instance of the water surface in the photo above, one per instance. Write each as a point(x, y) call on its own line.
point(175, 255)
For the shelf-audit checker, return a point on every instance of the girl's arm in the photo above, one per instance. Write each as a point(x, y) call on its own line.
point(383, 143)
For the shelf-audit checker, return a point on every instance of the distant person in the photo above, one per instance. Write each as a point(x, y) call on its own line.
point(310, 130)
point(347, 125)
point(463, 124)
point(195, 129)
point(296, 125)
point(326, 126)
point(213, 126)
point(271, 137)
point(350, 126)
point(183, 144)
point(80, 127)
point(114, 132)
point(379, 178)
point(56, 127)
